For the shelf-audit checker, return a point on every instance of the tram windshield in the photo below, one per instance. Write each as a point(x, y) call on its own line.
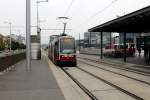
point(67, 45)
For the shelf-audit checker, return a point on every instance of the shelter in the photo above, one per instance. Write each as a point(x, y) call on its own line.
point(135, 22)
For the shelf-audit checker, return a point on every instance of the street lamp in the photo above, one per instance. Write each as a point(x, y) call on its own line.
point(10, 24)
point(38, 25)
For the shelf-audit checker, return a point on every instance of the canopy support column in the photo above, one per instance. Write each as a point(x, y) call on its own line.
point(125, 47)
point(101, 44)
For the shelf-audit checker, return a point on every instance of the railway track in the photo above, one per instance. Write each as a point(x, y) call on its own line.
point(88, 92)
point(81, 86)
point(139, 88)
point(113, 85)
point(136, 79)
point(118, 67)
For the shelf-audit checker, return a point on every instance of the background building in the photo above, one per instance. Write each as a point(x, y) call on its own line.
point(91, 39)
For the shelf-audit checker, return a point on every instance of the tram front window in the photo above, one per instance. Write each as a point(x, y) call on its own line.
point(67, 45)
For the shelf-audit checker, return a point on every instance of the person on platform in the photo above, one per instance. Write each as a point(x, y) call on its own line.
point(130, 51)
point(139, 50)
point(146, 51)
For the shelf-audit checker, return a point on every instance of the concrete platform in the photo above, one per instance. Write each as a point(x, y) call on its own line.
point(39, 84)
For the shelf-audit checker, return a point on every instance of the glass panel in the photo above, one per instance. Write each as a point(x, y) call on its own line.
point(67, 45)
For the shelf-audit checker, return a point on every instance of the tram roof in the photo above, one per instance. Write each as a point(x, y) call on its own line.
point(135, 22)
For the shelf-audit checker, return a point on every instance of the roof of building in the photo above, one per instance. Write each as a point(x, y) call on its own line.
point(136, 22)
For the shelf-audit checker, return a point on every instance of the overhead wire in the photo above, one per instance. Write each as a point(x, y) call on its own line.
point(97, 13)
point(69, 7)
point(67, 10)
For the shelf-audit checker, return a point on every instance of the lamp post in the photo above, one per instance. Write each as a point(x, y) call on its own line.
point(38, 24)
point(10, 27)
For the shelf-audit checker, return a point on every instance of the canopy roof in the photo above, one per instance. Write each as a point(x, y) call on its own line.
point(135, 22)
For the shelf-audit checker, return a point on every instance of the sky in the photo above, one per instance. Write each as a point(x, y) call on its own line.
point(82, 14)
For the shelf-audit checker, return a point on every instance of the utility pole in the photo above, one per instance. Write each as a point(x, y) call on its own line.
point(38, 24)
point(28, 31)
point(10, 36)
point(10, 27)
point(79, 42)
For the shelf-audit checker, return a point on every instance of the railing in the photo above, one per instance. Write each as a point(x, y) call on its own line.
point(9, 60)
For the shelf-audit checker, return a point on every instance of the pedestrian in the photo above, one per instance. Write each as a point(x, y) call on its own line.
point(133, 50)
point(139, 50)
point(145, 51)
point(130, 51)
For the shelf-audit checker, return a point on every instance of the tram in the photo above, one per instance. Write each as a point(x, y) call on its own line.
point(62, 50)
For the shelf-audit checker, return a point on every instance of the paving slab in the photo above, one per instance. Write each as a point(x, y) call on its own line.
point(39, 84)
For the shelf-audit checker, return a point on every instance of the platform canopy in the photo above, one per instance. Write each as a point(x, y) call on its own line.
point(135, 22)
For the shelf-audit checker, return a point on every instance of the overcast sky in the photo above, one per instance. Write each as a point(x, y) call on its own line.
point(83, 14)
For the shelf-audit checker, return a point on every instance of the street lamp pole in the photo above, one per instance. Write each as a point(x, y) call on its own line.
point(38, 24)
point(10, 35)
point(10, 24)
point(37, 15)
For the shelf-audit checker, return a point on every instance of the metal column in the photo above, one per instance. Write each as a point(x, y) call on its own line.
point(110, 40)
point(28, 30)
point(101, 44)
point(79, 42)
point(125, 47)
point(144, 47)
point(10, 36)
point(90, 39)
point(37, 16)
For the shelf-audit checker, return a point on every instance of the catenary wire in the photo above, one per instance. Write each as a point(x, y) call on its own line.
point(97, 13)
point(69, 7)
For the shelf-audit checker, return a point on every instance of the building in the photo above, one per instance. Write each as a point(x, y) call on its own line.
point(81, 41)
point(93, 39)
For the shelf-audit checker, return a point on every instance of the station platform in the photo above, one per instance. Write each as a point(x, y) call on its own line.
point(136, 60)
point(39, 84)
point(134, 63)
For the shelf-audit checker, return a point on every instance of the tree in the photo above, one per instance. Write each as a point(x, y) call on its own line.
point(17, 45)
point(2, 44)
